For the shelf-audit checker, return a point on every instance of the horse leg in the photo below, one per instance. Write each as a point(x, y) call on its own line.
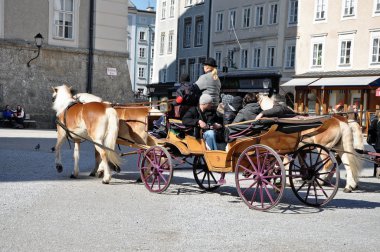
point(95, 171)
point(60, 138)
point(351, 183)
point(76, 161)
point(104, 165)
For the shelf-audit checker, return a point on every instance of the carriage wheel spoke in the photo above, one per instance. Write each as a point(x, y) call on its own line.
point(301, 186)
point(272, 185)
point(269, 196)
point(308, 192)
point(250, 187)
point(321, 188)
point(261, 196)
point(315, 193)
point(252, 164)
point(254, 194)
point(326, 182)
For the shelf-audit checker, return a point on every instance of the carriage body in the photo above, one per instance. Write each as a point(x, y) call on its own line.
point(257, 160)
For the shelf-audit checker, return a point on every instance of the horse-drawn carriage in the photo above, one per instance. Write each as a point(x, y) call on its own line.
point(264, 155)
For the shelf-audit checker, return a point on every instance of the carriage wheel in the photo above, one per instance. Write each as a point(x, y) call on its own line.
point(260, 177)
point(314, 175)
point(156, 169)
point(203, 176)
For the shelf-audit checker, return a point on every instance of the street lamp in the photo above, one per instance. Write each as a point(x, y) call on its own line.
point(38, 40)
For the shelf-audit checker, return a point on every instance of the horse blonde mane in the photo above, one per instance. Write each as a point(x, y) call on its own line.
point(62, 98)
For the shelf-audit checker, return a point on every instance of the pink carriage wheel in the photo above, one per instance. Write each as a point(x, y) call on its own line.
point(260, 177)
point(203, 176)
point(156, 169)
point(314, 175)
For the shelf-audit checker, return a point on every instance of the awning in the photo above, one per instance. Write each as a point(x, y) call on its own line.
point(345, 81)
point(297, 82)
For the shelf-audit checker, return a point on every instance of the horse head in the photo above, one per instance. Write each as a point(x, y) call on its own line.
point(62, 97)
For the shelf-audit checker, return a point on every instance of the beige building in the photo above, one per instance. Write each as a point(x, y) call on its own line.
point(85, 46)
point(254, 43)
point(338, 55)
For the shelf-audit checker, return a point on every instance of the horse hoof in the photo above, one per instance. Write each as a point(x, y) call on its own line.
point(105, 182)
point(347, 190)
point(72, 176)
point(100, 174)
point(59, 168)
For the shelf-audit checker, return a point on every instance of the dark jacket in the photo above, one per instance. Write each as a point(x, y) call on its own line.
point(374, 134)
point(248, 112)
point(278, 110)
point(231, 109)
point(194, 114)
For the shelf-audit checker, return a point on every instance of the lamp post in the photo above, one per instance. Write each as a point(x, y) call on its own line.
point(38, 40)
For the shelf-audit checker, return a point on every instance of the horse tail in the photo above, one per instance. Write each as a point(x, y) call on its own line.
point(348, 146)
point(111, 136)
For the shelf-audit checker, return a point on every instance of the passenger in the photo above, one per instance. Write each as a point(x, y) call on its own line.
point(279, 109)
point(209, 82)
point(231, 109)
point(250, 109)
point(8, 112)
point(203, 117)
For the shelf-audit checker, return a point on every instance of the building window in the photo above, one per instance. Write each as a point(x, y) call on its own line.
point(232, 19)
point(142, 35)
point(182, 67)
point(273, 14)
point(170, 44)
point(293, 12)
point(199, 31)
point(142, 52)
point(348, 8)
point(152, 38)
point(63, 19)
point(290, 56)
point(230, 58)
point(270, 56)
point(259, 15)
point(192, 70)
point(163, 12)
point(375, 55)
point(345, 52)
point(171, 12)
point(244, 58)
point(151, 73)
point(162, 75)
point(377, 6)
point(246, 17)
point(256, 57)
point(141, 72)
point(320, 13)
point(152, 53)
point(317, 54)
point(219, 21)
point(187, 33)
point(162, 43)
point(218, 59)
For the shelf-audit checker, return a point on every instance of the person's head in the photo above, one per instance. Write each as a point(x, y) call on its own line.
point(205, 102)
point(7, 107)
point(209, 65)
point(250, 98)
point(184, 78)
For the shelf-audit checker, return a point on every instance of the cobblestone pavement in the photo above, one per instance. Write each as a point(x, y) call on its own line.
point(41, 210)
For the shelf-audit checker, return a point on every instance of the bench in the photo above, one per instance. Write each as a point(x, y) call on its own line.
point(5, 123)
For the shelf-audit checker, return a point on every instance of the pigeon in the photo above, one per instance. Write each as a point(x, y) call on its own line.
point(37, 147)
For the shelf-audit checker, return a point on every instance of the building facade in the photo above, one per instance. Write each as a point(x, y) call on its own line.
point(84, 46)
point(254, 43)
point(141, 35)
point(165, 46)
point(338, 55)
point(193, 37)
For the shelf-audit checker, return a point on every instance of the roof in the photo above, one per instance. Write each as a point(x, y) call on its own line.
point(352, 73)
point(250, 74)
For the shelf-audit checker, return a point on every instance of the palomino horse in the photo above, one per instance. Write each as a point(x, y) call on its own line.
point(96, 121)
point(343, 136)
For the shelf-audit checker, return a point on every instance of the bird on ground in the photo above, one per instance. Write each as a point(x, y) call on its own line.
point(37, 147)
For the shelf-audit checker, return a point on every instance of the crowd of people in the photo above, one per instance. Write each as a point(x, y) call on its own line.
point(16, 116)
point(208, 117)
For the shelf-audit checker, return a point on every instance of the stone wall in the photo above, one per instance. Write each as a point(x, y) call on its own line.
point(31, 86)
